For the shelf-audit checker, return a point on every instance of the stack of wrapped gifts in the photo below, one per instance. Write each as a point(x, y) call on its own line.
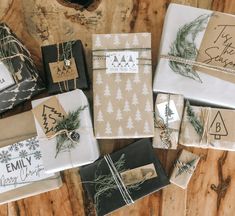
point(193, 85)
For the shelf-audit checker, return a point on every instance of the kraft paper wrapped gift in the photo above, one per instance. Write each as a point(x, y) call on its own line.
point(18, 138)
point(122, 85)
point(141, 177)
point(168, 114)
point(184, 169)
point(65, 67)
point(206, 127)
point(197, 55)
point(19, 79)
point(63, 147)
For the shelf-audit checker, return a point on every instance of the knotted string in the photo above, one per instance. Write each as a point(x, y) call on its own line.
point(118, 180)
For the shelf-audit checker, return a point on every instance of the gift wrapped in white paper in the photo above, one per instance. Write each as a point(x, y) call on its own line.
point(13, 142)
point(85, 151)
point(201, 36)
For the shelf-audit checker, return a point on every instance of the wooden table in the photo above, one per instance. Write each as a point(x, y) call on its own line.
point(41, 22)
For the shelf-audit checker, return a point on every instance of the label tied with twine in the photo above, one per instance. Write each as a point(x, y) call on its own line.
point(56, 123)
point(215, 55)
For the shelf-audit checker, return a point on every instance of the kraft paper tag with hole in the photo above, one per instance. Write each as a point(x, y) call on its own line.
point(48, 113)
point(139, 174)
point(218, 46)
point(60, 72)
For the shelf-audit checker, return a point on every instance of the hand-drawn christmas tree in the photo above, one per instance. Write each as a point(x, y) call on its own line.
point(218, 127)
point(50, 117)
point(168, 111)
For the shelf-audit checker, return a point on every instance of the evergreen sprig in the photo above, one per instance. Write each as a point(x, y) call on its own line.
point(105, 183)
point(70, 123)
point(184, 47)
point(184, 167)
point(198, 126)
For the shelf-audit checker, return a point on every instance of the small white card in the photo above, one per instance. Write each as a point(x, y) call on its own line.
point(21, 164)
point(122, 62)
point(168, 113)
point(6, 78)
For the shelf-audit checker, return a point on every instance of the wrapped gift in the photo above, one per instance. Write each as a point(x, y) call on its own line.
point(168, 115)
point(65, 66)
point(197, 54)
point(119, 179)
point(122, 79)
point(207, 127)
point(184, 168)
point(19, 79)
point(65, 131)
point(22, 170)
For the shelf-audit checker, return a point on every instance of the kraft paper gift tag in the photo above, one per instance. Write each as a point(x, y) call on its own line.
point(168, 115)
point(13, 142)
point(184, 169)
point(196, 54)
point(212, 128)
point(78, 147)
point(122, 77)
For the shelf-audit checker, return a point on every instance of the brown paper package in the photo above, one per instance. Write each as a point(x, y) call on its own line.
point(183, 179)
point(172, 125)
point(14, 129)
point(218, 129)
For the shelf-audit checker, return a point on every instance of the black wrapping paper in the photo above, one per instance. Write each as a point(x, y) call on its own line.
point(27, 83)
point(137, 154)
point(49, 55)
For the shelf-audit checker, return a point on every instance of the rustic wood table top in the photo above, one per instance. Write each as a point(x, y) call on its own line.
point(40, 22)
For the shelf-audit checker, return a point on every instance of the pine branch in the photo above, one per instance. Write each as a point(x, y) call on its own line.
point(70, 123)
point(185, 167)
point(184, 47)
point(198, 126)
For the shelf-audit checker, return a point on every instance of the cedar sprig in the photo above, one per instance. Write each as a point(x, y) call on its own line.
point(70, 123)
point(184, 47)
point(105, 183)
point(198, 126)
point(184, 167)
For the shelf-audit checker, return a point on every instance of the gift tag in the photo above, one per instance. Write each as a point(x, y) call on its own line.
point(122, 62)
point(6, 79)
point(139, 174)
point(48, 113)
point(63, 70)
point(168, 113)
point(21, 164)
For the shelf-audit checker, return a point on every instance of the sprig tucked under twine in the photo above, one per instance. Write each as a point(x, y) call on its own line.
point(184, 167)
point(10, 48)
point(184, 47)
point(198, 126)
point(65, 131)
point(105, 184)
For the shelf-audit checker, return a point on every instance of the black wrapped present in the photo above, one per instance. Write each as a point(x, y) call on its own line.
point(122, 177)
point(19, 79)
point(65, 67)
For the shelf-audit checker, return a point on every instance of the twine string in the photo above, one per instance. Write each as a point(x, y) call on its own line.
point(118, 180)
point(198, 64)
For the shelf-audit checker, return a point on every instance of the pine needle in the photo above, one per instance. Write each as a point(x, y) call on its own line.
point(184, 47)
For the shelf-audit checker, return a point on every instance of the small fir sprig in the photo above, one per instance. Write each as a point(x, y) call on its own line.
point(184, 167)
point(198, 126)
point(68, 138)
point(184, 47)
point(105, 183)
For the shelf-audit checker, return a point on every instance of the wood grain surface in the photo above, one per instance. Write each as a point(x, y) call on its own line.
point(211, 191)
